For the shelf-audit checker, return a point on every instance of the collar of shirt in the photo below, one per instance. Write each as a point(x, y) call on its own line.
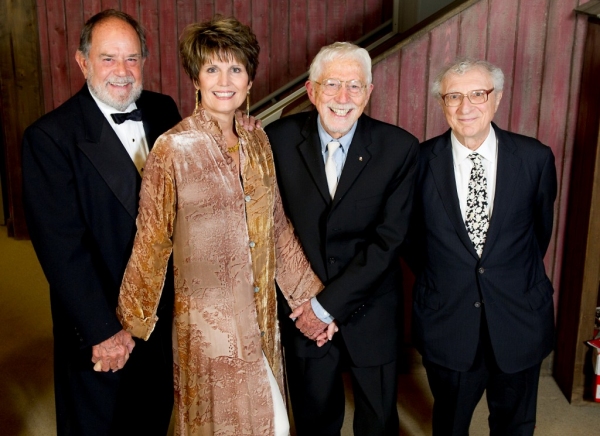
point(326, 138)
point(488, 150)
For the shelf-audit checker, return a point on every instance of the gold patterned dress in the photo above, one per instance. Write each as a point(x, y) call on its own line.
point(230, 241)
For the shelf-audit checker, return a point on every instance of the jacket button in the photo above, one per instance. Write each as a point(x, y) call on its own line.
point(481, 270)
point(477, 304)
point(252, 244)
point(332, 260)
point(247, 198)
point(256, 289)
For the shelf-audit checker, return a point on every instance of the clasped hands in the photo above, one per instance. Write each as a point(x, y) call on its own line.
point(113, 353)
point(311, 326)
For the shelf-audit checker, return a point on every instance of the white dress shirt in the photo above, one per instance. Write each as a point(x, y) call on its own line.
point(463, 165)
point(131, 133)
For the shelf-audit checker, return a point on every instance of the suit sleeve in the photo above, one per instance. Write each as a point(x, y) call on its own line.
point(62, 241)
point(544, 207)
point(345, 294)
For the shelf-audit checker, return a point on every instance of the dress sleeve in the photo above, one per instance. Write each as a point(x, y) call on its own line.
point(294, 275)
point(145, 273)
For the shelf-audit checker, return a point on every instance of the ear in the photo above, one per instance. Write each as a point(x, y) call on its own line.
point(249, 85)
point(498, 98)
point(82, 61)
point(310, 90)
point(369, 91)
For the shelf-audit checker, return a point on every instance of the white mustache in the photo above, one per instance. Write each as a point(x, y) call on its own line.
point(121, 80)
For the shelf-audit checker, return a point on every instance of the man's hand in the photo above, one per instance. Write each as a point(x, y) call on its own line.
point(308, 322)
point(112, 353)
point(249, 122)
point(327, 335)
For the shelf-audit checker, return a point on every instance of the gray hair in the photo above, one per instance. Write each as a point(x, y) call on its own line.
point(340, 50)
point(85, 40)
point(461, 66)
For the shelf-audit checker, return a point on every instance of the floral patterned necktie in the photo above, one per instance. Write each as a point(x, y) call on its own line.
point(477, 221)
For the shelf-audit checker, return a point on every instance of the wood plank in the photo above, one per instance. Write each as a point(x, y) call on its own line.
point(169, 59)
point(279, 44)
point(111, 4)
point(58, 55)
point(73, 31)
point(373, 15)
point(413, 89)
point(299, 62)
point(46, 73)
point(260, 26)
point(149, 20)
point(91, 8)
point(528, 69)
point(353, 27)
point(502, 36)
point(20, 98)
point(242, 10)
point(473, 31)
point(384, 99)
point(556, 86)
point(316, 31)
point(443, 49)
point(186, 11)
point(335, 20)
point(205, 10)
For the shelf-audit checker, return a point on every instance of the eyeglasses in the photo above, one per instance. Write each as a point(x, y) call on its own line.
point(332, 86)
point(479, 96)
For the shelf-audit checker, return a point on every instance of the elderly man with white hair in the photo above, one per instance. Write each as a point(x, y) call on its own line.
point(483, 315)
point(346, 181)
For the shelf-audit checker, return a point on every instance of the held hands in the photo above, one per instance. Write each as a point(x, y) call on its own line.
point(112, 353)
point(249, 122)
point(312, 327)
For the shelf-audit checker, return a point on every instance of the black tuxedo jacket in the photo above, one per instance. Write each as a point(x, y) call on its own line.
point(509, 283)
point(351, 241)
point(81, 201)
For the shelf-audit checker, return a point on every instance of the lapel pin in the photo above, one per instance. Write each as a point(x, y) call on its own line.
point(360, 158)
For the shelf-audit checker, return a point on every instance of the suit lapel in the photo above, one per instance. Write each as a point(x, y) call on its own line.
point(106, 152)
point(506, 181)
point(442, 169)
point(357, 159)
point(310, 149)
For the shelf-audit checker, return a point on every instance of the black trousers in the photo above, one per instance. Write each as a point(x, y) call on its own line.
point(511, 398)
point(317, 394)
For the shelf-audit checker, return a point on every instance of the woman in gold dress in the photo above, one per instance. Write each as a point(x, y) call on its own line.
point(209, 196)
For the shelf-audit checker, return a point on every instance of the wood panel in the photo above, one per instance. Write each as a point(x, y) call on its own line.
point(290, 33)
point(20, 97)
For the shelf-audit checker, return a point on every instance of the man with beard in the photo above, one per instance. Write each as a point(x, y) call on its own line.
point(346, 184)
point(82, 164)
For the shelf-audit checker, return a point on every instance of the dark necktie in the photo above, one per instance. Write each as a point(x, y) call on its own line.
point(477, 221)
point(134, 115)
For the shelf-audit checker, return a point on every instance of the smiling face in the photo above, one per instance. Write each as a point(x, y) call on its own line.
point(470, 122)
point(223, 86)
point(339, 112)
point(114, 65)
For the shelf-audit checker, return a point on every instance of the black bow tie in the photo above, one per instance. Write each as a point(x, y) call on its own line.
point(134, 115)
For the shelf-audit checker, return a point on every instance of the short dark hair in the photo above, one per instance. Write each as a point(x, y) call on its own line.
point(221, 38)
point(85, 40)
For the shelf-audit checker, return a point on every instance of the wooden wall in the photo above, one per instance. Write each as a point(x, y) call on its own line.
point(290, 33)
point(537, 43)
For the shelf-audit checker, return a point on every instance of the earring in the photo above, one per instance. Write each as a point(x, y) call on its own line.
point(196, 108)
point(248, 104)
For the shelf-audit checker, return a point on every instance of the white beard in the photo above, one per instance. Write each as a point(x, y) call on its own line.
point(102, 93)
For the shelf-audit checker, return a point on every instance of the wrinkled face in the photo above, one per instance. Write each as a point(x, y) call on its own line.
point(223, 87)
point(470, 122)
point(339, 112)
point(114, 65)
